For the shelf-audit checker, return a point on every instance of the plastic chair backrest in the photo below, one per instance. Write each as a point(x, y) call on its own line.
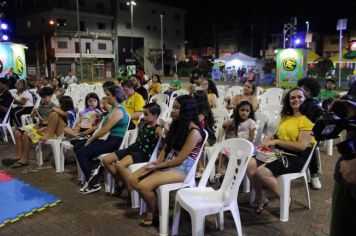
point(7, 116)
point(306, 165)
point(191, 175)
point(164, 110)
point(220, 115)
point(262, 123)
point(178, 93)
point(235, 90)
point(164, 98)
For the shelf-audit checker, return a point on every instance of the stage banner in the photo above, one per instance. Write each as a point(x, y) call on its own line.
point(290, 67)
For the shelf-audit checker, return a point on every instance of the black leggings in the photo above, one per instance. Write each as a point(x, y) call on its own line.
point(16, 114)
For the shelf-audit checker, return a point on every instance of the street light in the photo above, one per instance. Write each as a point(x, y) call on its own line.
point(162, 43)
point(131, 4)
point(306, 36)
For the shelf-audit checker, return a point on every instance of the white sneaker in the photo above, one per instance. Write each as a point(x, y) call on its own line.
point(315, 183)
point(89, 189)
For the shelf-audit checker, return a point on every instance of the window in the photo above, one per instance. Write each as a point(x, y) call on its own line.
point(102, 46)
point(153, 11)
point(177, 32)
point(76, 47)
point(154, 28)
point(82, 3)
point(123, 6)
point(148, 27)
point(61, 22)
point(177, 17)
point(101, 26)
point(87, 47)
point(334, 41)
point(82, 26)
point(62, 44)
point(128, 25)
point(100, 6)
point(28, 24)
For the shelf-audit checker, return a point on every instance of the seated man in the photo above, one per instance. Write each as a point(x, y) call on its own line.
point(5, 98)
point(133, 103)
point(136, 80)
point(329, 91)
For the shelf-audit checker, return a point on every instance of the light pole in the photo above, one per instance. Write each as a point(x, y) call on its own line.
point(80, 43)
point(307, 23)
point(131, 4)
point(162, 43)
point(175, 62)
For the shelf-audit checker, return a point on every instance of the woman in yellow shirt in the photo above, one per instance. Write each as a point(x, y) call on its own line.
point(155, 86)
point(294, 135)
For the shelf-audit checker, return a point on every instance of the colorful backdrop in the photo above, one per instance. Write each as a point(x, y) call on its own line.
point(290, 64)
point(12, 55)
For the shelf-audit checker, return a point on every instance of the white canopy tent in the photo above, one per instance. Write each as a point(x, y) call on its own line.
point(238, 60)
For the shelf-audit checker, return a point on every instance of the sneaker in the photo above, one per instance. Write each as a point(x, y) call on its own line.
point(89, 189)
point(85, 185)
point(95, 174)
point(315, 183)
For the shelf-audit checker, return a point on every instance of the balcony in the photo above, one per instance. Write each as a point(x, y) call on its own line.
point(90, 33)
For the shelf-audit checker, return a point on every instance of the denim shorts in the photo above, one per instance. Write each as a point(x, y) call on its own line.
point(185, 166)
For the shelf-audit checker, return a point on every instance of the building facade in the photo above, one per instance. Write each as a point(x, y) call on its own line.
point(50, 30)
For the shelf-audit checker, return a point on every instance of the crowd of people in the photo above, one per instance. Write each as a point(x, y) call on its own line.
point(100, 129)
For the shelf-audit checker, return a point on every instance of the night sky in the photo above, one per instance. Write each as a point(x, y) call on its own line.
point(267, 16)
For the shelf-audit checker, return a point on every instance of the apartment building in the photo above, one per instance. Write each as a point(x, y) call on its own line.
point(50, 30)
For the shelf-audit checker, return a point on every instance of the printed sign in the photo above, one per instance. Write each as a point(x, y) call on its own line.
point(289, 67)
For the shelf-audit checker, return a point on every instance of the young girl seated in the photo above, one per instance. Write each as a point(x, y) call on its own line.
point(242, 125)
point(183, 143)
point(155, 86)
point(88, 120)
point(141, 150)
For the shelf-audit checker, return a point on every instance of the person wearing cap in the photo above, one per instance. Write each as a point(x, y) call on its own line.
point(107, 139)
point(329, 91)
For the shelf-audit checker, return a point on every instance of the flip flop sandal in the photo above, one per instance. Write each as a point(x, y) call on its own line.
point(19, 164)
point(260, 205)
point(9, 162)
point(147, 223)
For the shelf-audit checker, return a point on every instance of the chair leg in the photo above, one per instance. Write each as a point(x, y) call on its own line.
point(163, 206)
point(57, 156)
point(307, 191)
point(252, 196)
point(39, 154)
point(317, 153)
point(8, 126)
point(329, 147)
point(5, 134)
point(135, 199)
point(246, 184)
point(284, 199)
point(176, 218)
point(198, 224)
point(236, 215)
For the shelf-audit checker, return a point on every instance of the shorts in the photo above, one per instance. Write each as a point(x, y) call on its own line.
point(186, 166)
point(295, 163)
point(137, 156)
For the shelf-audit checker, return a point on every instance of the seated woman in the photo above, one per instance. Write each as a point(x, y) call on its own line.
point(88, 120)
point(23, 102)
point(183, 142)
point(294, 135)
point(51, 124)
point(210, 88)
point(114, 124)
point(248, 93)
point(138, 152)
point(155, 86)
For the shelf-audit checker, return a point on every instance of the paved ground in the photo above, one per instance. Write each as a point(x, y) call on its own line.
point(100, 214)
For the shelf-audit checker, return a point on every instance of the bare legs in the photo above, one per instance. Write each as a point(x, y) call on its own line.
point(148, 185)
point(23, 147)
point(55, 126)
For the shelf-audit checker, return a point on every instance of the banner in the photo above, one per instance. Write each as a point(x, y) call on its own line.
point(12, 55)
point(290, 64)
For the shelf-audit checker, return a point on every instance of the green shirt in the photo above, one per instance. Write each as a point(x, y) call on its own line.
point(175, 83)
point(326, 94)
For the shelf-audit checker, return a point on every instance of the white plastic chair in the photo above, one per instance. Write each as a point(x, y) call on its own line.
point(233, 91)
point(6, 126)
point(220, 115)
point(284, 182)
point(135, 198)
point(164, 190)
point(165, 112)
point(164, 98)
point(203, 201)
point(272, 96)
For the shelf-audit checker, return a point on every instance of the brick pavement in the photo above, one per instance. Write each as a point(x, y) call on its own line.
point(100, 214)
